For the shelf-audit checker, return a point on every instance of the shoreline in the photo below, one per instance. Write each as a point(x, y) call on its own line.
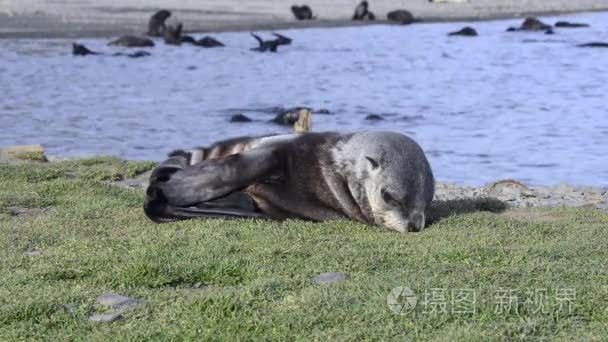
point(512, 193)
point(107, 19)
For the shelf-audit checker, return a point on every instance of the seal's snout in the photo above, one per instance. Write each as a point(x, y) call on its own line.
point(416, 221)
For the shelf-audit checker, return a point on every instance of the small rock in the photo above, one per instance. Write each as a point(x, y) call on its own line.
point(191, 67)
point(69, 308)
point(116, 301)
point(197, 285)
point(111, 317)
point(374, 117)
point(329, 277)
point(240, 118)
point(34, 253)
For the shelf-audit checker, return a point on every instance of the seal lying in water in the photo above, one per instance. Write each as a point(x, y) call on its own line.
point(380, 178)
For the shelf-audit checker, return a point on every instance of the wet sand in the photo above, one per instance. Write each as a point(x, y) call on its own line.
point(102, 18)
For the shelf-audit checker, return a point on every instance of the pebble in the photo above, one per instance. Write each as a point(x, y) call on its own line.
point(117, 302)
point(329, 277)
point(111, 317)
point(34, 253)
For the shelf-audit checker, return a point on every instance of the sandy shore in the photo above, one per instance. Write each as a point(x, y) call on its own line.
point(100, 18)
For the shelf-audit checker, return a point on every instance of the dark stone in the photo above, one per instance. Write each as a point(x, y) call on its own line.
point(322, 111)
point(566, 24)
point(403, 17)
point(303, 12)
point(374, 117)
point(466, 31)
point(132, 41)
point(240, 118)
point(549, 31)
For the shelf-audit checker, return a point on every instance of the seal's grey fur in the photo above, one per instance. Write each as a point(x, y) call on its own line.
point(380, 178)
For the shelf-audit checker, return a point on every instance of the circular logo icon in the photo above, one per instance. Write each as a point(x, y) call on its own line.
point(401, 300)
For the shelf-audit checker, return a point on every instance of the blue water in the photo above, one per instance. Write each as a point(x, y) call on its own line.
point(503, 105)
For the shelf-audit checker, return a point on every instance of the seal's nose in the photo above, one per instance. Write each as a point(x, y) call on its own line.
point(416, 221)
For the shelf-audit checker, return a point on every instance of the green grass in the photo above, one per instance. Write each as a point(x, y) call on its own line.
point(94, 239)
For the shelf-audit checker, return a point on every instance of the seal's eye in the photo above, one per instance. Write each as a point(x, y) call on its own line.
point(387, 197)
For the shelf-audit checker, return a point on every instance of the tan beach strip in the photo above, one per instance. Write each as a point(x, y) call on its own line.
point(91, 18)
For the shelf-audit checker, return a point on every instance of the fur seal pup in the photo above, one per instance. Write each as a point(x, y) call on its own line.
point(266, 45)
point(132, 41)
point(380, 178)
point(281, 39)
point(208, 42)
point(466, 31)
point(81, 50)
point(173, 35)
point(567, 24)
point(403, 17)
point(156, 25)
point(531, 24)
point(362, 12)
point(594, 45)
point(303, 12)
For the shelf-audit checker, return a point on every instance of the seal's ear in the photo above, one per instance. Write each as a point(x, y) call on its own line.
point(373, 162)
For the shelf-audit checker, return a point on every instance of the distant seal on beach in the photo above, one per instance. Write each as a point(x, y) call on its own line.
point(403, 17)
point(173, 35)
point(531, 24)
point(362, 12)
point(156, 25)
point(379, 178)
point(303, 12)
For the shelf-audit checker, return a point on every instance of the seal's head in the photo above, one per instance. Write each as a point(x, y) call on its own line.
point(398, 183)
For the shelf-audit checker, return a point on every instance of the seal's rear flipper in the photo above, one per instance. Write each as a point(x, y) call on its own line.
point(186, 179)
point(158, 210)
